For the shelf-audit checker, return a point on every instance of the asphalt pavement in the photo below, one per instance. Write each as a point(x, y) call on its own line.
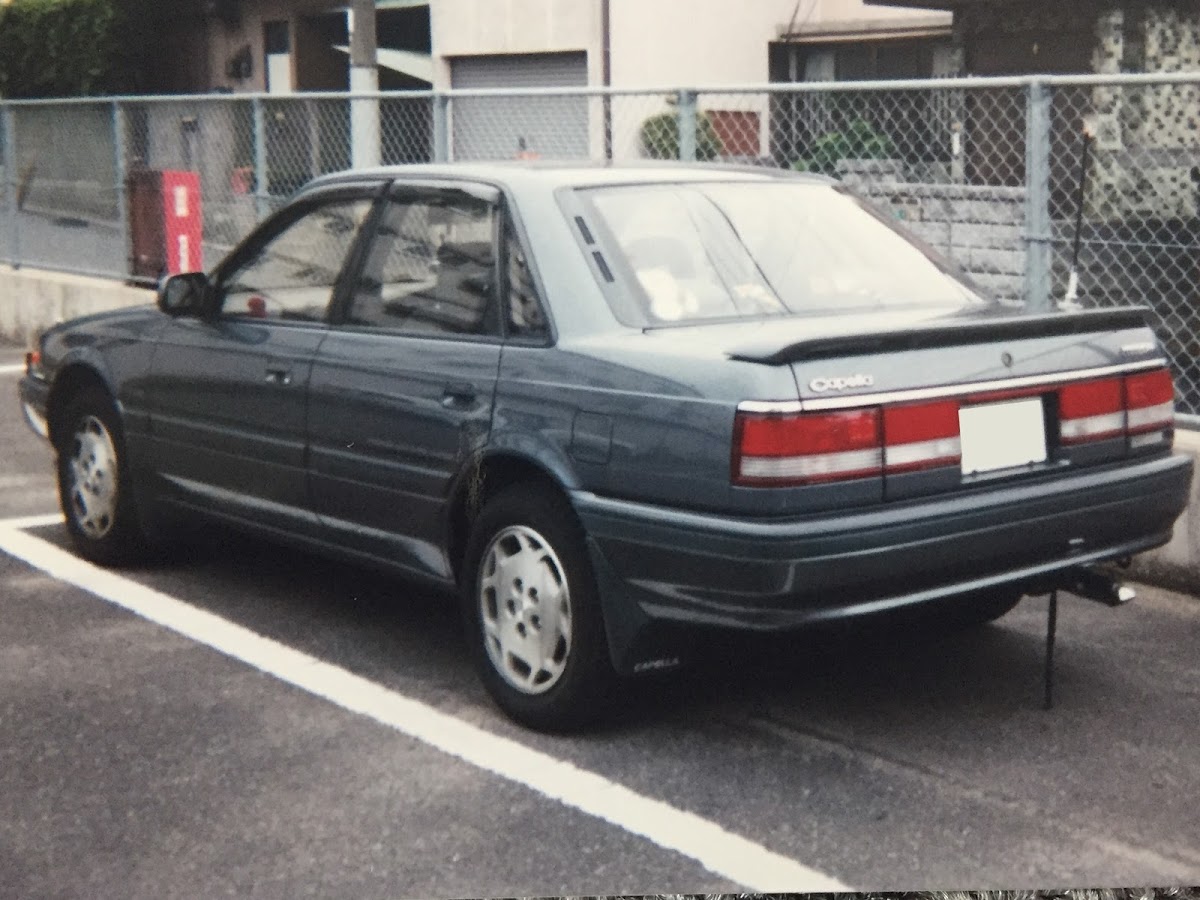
point(149, 750)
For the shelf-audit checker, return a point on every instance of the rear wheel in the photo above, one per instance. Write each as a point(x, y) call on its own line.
point(94, 484)
point(533, 612)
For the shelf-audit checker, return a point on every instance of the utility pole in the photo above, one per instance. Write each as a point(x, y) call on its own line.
point(364, 79)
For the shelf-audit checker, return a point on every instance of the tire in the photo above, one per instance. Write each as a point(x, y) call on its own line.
point(545, 664)
point(94, 485)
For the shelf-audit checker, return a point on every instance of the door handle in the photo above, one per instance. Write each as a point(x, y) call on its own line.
point(459, 394)
point(280, 376)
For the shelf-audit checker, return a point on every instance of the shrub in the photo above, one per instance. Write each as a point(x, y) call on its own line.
point(858, 141)
point(660, 137)
point(59, 48)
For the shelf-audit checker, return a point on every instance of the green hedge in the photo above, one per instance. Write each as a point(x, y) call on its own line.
point(63, 48)
point(660, 137)
point(857, 141)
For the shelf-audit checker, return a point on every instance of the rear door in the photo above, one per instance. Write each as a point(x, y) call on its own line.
point(403, 387)
point(229, 392)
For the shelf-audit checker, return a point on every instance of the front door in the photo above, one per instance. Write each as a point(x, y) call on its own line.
point(228, 392)
point(402, 388)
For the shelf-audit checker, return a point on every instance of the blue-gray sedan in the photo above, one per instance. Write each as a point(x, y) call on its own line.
point(606, 405)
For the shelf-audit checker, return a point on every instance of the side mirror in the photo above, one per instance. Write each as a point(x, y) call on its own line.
point(184, 295)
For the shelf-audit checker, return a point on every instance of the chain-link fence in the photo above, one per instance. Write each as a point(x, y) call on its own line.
point(995, 173)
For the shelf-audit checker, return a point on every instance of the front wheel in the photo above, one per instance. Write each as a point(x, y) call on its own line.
point(94, 484)
point(533, 613)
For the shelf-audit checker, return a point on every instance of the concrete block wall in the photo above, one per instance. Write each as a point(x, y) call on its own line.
point(1177, 565)
point(980, 227)
point(31, 300)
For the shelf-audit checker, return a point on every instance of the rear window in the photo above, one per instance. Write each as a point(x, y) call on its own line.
point(688, 252)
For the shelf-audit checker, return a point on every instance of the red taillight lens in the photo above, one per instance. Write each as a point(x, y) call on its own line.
point(806, 448)
point(33, 362)
point(921, 436)
point(1150, 401)
point(1091, 411)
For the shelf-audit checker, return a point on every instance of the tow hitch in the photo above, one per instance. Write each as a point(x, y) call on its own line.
point(1098, 585)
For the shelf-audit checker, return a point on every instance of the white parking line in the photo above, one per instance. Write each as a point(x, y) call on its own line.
point(717, 850)
point(18, 369)
point(12, 482)
point(25, 522)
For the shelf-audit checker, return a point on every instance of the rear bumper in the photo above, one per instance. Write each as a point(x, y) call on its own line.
point(669, 565)
point(34, 394)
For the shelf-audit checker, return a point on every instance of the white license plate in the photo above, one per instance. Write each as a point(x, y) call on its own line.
point(1004, 435)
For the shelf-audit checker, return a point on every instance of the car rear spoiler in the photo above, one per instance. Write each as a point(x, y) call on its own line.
point(780, 349)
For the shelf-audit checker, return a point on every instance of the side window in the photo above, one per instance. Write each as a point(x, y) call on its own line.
point(431, 268)
point(293, 273)
point(524, 315)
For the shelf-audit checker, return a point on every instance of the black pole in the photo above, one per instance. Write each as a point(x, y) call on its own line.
point(1051, 627)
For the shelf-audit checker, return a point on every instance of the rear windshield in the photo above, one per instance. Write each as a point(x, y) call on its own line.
point(688, 252)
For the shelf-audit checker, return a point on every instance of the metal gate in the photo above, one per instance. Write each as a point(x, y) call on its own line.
point(508, 127)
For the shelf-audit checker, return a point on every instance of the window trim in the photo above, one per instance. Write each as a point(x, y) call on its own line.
point(280, 221)
point(395, 191)
point(510, 233)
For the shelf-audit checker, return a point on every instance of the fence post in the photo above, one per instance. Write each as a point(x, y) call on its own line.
point(11, 180)
point(687, 126)
point(312, 114)
point(441, 128)
point(119, 171)
point(1038, 237)
point(261, 188)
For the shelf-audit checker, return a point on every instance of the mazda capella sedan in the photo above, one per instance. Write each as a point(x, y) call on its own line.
point(606, 405)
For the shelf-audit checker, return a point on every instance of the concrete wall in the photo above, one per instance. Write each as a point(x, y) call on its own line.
point(31, 300)
point(1177, 564)
point(1159, 124)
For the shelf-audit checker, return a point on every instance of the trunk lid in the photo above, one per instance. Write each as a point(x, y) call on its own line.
point(962, 398)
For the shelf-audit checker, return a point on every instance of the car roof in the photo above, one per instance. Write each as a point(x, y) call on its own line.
point(554, 174)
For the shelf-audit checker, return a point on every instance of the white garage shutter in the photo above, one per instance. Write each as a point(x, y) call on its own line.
point(497, 127)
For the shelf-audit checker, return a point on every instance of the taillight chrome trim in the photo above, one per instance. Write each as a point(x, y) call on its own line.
point(1051, 379)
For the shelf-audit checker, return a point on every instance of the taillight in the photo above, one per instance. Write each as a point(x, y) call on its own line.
point(33, 362)
point(1115, 407)
point(1091, 411)
point(921, 436)
point(1150, 401)
point(806, 448)
point(811, 448)
point(776, 449)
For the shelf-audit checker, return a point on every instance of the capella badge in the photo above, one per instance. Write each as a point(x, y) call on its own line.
point(821, 385)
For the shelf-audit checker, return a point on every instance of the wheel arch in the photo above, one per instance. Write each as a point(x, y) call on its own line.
point(72, 378)
point(487, 472)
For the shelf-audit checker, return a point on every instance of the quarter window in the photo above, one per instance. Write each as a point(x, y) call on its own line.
point(431, 268)
point(293, 273)
point(525, 317)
